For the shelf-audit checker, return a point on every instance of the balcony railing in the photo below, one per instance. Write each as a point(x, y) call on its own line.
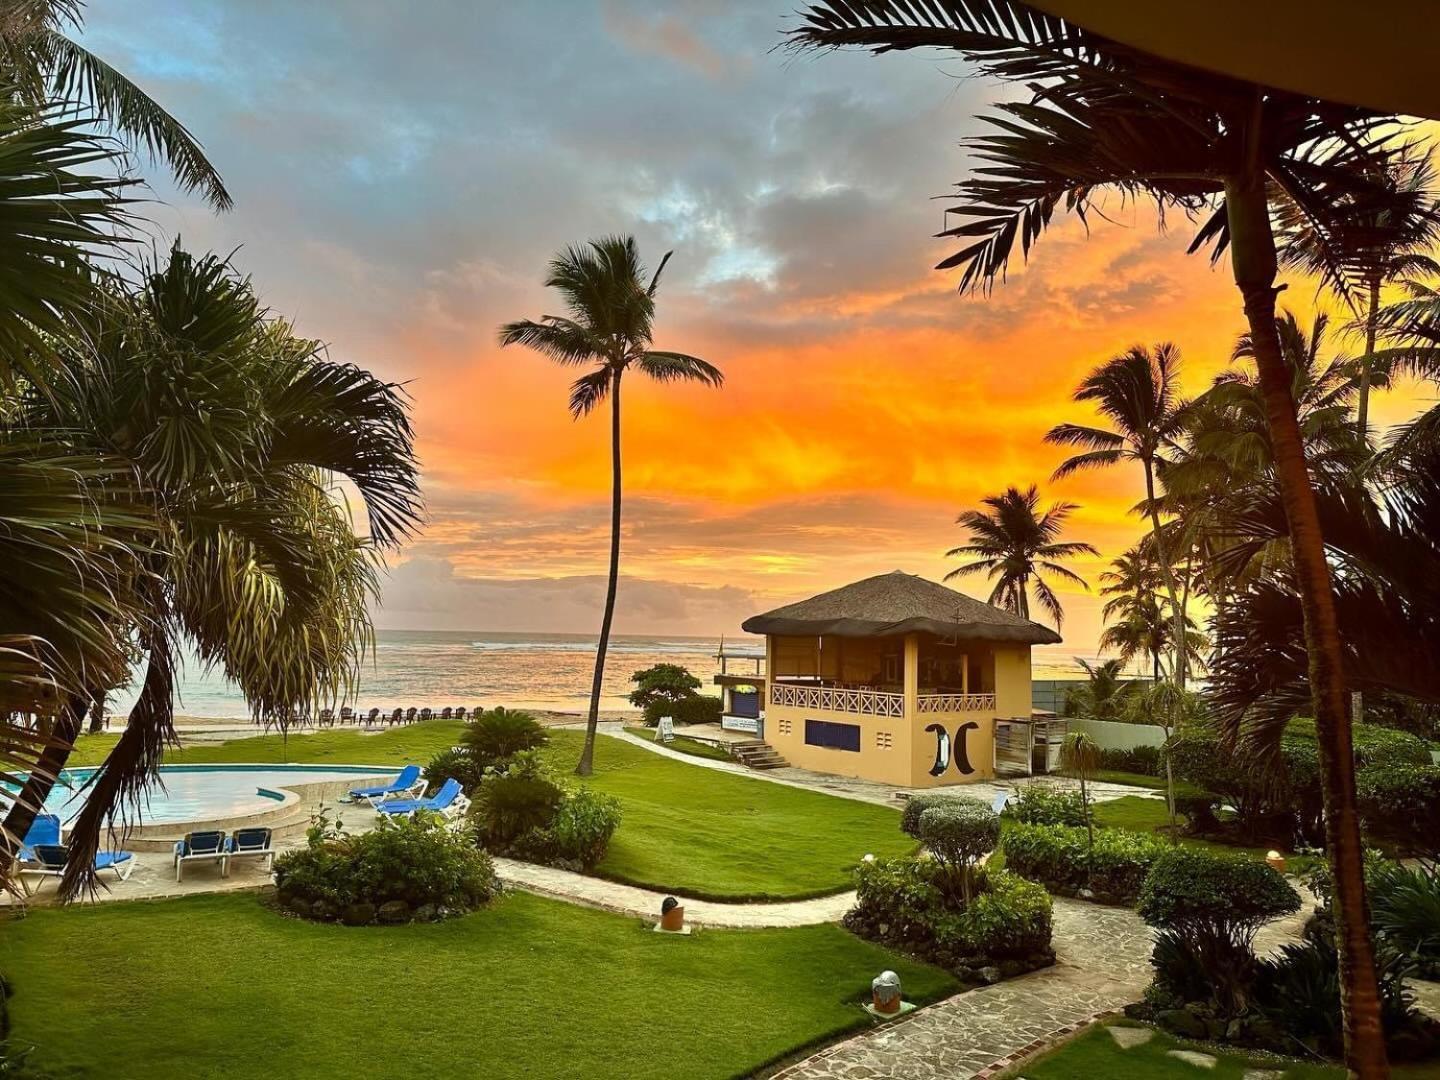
point(862, 702)
point(948, 703)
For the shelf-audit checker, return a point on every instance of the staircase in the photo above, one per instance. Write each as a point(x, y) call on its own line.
point(754, 754)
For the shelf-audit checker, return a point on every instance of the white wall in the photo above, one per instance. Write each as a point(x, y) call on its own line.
point(1109, 735)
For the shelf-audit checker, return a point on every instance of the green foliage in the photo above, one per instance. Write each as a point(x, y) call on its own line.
point(1063, 860)
point(418, 861)
point(1405, 912)
point(452, 762)
point(499, 734)
point(958, 835)
point(663, 682)
point(1400, 805)
point(916, 805)
point(904, 903)
point(509, 806)
point(1104, 695)
point(1145, 760)
point(1200, 891)
point(699, 709)
point(577, 835)
point(1039, 805)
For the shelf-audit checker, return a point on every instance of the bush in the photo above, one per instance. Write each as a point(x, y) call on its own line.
point(1404, 909)
point(456, 763)
point(1400, 805)
point(1062, 859)
point(499, 734)
point(408, 863)
point(700, 709)
point(1200, 812)
point(578, 834)
point(916, 805)
point(663, 682)
point(509, 806)
point(1004, 931)
point(1145, 760)
point(1038, 805)
point(958, 835)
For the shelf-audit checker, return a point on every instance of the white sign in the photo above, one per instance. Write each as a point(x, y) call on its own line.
point(741, 723)
point(667, 729)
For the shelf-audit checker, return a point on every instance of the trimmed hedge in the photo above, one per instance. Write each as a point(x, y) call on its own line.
point(1198, 893)
point(1145, 760)
point(1061, 858)
point(1037, 805)
point(1400, 805)
point(700, 709)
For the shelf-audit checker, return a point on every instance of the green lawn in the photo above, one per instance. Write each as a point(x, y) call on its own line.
point(221, 987)
point(702, 832)
point(682, 745)
point(1139, 814)
point(1096, 1054)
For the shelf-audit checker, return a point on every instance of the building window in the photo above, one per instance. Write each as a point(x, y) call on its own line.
point(784, 726)
point(884, 740)
point(832, 735)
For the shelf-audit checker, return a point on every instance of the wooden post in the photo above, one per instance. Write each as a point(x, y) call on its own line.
point(912, 676)
point(964, 673)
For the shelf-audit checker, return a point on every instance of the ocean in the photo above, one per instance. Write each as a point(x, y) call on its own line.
point(436, 668)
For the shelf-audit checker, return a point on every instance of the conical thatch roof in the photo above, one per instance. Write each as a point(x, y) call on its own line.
point(897, 603)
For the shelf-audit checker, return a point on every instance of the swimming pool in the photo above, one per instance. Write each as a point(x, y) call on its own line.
point(210, 792)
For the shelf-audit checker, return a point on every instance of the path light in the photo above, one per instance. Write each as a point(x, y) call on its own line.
point(885, 993)
point(672, 916)
point(869, 857)
point(1275, 861)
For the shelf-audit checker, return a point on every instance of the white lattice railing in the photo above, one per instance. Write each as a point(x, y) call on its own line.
point(947, 703)
point(836, 699)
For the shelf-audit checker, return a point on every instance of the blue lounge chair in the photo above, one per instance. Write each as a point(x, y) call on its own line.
point(449, 800)
point(51, 860)
point(408, 785)
point(45, 829)
point(253, 843)
point(204, 846)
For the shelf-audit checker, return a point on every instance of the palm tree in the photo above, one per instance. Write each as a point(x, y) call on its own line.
point(1385, 242)
point(609, 325)
point(1105, 116)
point(1139, 393)
point(42, 65)
point(230, 429)
point(1080, 756)
point(1135, 621)
point(1016, 549)
point(1103, 694)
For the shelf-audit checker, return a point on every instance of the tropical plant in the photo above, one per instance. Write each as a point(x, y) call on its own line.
point(44, 65)
point(1103, 116)
point(667, 683)
point(609, 325)
point(1103, 694)
point(497, 735)
point(1080, 756)
point(958, 835)
point(1016, 549)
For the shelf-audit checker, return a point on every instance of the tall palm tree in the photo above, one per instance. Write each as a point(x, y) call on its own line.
point(1135, 620)
point(1103, 694)
point(1016, 548)
point(1139, 393)
point(1383, 243)
point(42, 64)
point(1105, 116)
point(608, 325)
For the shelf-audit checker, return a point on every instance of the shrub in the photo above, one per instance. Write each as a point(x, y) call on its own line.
point(500, 734)
point(958, 835)
point(1037, 805)
point(1200, 812)
point(1145, 760)
point(416, 862)
point(1063, 860)
point(578, 834)
point(663, 682)
point(1400, 804)
point(916, 805)
point(1404, 909)
point(456, 763)
point(1004, 931)
point(700, 709)
point(509, 806)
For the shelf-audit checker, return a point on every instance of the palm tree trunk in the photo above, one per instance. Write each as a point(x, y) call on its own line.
point(587, 755)
point(1362, 403)
point(1252, 252)
point(1166, 574)
point(41, 780)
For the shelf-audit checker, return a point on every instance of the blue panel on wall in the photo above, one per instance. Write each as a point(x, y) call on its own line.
point(835, 736)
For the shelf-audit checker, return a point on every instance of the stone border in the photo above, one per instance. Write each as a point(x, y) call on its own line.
point(1039, 1047)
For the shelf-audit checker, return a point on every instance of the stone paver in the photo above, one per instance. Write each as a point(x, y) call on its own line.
point(1129, 1037)
point(1194, 1057)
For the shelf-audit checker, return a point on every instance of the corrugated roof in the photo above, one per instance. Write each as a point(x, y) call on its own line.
point(897, 603)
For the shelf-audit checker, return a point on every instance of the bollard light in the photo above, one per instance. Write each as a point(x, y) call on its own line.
point(1275, 861)
point(885, 993)
point(672, 916)
point(868, 857)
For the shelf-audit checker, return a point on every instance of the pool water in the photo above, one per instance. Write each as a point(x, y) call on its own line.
point(207, 792)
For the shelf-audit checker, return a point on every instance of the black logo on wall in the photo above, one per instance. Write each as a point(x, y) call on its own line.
point(960, 746)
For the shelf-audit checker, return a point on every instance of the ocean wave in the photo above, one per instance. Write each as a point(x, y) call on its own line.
point(623, 648)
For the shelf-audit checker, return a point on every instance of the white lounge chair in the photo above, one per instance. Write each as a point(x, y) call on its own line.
point(408, 785)
point(51, 860)
point(204, 846)
point(450, 800)
point(256, 843)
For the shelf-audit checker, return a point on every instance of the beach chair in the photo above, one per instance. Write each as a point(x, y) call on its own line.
point(426, 714)
point(249, 844)
point(475, 712)
point(395, 716)
point(45, 829)
point(446, 712)
point(327, 718)
point(347, 715)
point(410, 714)
point(460, 713)
point(51, 860)
point(204, 846)
point(408, 785)
point(450, 800)
point(371, 717)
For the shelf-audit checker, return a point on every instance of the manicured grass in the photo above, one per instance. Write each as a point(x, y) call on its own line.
point(700, 832)
point(1096, 1054)
point(1140, 814)
point(683, 745)
point(220, 986)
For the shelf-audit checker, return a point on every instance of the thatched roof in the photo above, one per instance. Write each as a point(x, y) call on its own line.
point(894, 604)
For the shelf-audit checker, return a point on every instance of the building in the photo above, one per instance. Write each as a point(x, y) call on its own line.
point(897, 679)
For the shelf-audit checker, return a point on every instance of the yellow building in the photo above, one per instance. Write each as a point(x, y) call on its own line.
point(896, 679)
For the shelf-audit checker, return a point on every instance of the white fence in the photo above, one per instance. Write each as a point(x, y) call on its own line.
point(1109, 735)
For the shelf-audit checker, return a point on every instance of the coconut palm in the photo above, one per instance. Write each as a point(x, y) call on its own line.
point(608, 327)
point(1103, 694)
point(1136, 624)
point(231, 429)
point(1016, 548)
point(1138, 392)
point(43, 65)
point(1385, 242)
point(1103, 116)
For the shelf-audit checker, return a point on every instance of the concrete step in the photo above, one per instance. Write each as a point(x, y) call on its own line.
point(755, 754)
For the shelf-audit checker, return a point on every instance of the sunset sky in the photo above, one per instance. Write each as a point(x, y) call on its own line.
point(403, 173)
